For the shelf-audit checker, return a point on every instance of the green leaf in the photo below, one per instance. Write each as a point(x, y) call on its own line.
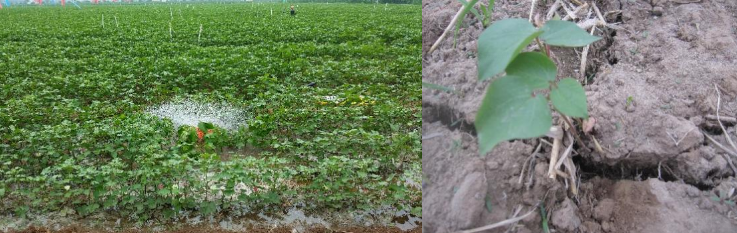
point(21, 211)
point(488, 204)
point(535, 68)
point(110, 202)
point(475, 12)
point(566, 34)
point(500, 43)
point(417, 211)
point(204, 126)
point(163, 192)
point(546, 228)
point(509, 111)
point(569, 98)
point(438, 87)
point(469, 7)
point(91, 208)
point(466, 8)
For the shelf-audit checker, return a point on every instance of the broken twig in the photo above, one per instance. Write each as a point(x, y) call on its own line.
point(731, 120)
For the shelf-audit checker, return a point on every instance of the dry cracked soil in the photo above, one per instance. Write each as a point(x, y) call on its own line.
point(651, 84)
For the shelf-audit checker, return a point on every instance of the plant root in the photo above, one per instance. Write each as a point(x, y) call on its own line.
point(502, 223)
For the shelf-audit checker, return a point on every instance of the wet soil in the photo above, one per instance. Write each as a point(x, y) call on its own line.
point(215, 230)
point(294, 220)
point(650, 85)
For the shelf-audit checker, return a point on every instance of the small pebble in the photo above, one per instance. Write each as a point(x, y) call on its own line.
point(658, 11)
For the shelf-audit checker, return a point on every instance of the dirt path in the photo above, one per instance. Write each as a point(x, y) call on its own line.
point(651, 88)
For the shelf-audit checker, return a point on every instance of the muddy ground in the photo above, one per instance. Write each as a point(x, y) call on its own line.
point(650, 85)
point(75, 229)
point(294, 220)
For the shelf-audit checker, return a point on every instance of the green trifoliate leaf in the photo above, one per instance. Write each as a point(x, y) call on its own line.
point(536, 69)
point(500, 43)
point(566, 34)
point(510, 111)
point(569, 98)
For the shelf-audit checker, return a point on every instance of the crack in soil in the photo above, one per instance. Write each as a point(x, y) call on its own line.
point(448, 116)
point(454, 120)
point(620, 171)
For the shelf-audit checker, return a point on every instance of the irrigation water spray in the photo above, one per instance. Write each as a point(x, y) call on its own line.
point(189, 112)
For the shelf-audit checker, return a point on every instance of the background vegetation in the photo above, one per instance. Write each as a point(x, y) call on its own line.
point(74, 86)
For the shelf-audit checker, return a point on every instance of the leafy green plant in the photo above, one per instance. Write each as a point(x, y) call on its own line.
point(516, 106)
point(724, 197)
point(543, 215)
point(75, 138)
point(486, 20)
point(468, 7)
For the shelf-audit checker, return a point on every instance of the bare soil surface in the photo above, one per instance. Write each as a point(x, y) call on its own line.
point(650, 85)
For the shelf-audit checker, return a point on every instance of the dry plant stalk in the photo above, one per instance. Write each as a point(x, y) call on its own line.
point(565, 154)
point(731, 120)
point(532, 156)
point(447, 29)
point(552, 10)
point(532, 9)
point(554, 157)
point(584, 56)
point(572, 171)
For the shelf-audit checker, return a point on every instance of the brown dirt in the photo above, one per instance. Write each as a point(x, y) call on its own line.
point(76, 229)
point(667, 65)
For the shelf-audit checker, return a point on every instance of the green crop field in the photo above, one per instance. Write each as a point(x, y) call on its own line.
point(75, 86)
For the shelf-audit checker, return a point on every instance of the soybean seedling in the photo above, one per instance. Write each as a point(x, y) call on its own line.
point(516, 105)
